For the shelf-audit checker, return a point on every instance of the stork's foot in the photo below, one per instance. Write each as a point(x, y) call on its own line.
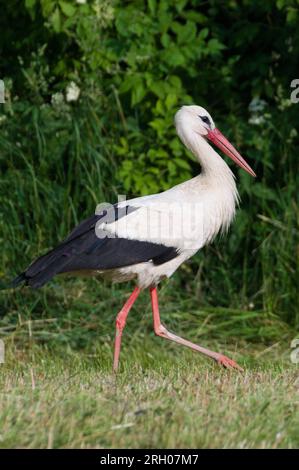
point(160, 330)
point(228, 363)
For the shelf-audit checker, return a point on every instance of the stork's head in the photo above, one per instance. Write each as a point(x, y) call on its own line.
point(197, 120)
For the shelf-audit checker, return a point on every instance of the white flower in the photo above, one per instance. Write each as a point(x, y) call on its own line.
point(257, 105)
point(256, 120)
point(81, 2)
point(57, 99)
point(256, 108)
point(72, 92)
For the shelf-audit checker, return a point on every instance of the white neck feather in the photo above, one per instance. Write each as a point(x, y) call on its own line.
point(213, 166)
point(215, 174)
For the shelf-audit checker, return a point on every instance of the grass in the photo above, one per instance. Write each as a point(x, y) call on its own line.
point(58, 391)
point(163, 397)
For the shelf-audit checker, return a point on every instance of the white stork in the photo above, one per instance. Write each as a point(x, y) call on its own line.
point(148, 238)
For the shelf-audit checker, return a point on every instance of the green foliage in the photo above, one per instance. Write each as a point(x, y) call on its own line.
point(70, 400)
point(133, 64)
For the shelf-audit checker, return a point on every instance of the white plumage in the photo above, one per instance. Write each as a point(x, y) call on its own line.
point(187, 216)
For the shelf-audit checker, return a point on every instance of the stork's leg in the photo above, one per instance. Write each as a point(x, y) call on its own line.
point(160, 330)
point(121, 323)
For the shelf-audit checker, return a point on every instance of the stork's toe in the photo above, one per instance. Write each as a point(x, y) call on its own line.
point(228, 363)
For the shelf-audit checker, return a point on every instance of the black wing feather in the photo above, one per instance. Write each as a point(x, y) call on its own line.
point(83, 250)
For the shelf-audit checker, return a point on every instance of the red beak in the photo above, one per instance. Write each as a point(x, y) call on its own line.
point(221, 142)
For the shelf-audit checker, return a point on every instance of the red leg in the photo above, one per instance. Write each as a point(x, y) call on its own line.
point(120, 324)
point(160, 330)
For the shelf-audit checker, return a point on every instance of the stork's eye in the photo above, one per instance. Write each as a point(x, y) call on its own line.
point(206, 120)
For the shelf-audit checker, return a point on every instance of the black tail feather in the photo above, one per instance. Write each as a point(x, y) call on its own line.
point(44, 268)
point(41, 270)
point(20, 279)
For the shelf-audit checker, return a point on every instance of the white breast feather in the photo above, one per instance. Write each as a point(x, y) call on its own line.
point(185, 217)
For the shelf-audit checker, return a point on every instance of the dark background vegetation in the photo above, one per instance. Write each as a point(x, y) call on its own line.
point(135, 62)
